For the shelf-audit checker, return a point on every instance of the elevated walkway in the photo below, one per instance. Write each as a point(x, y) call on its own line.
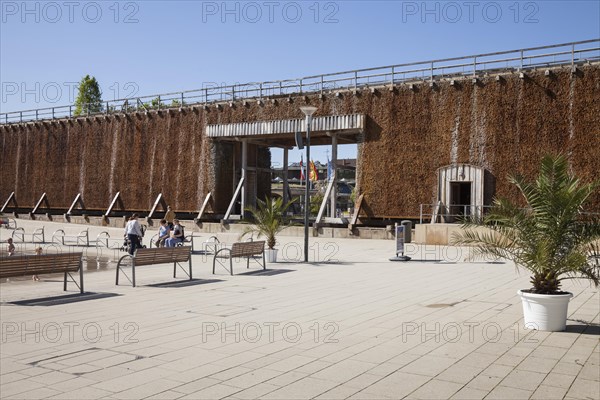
point(572, 54)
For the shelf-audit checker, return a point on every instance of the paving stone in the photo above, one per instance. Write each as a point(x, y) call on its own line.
point(459, 374)
point(536, 364)
point(558, 380)
point(505, 393)
point(545, 392)
point(306, 388)
point(212, 392)
point(338, 393)
point(435, 389)
point(484, 382)
point(468, 393)
point(396, 385)
point(41, 393)
point(255, 392)
point(526, 380)
point(584, 389)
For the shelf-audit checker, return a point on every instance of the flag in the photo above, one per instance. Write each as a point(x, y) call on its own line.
point(329, 169)
point(302, 177)
point(313, 174)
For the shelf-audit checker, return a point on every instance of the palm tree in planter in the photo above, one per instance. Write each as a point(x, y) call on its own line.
point(268, 220)
point(552, 238)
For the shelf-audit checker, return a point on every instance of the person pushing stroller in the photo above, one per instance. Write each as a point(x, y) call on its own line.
point(133, 232)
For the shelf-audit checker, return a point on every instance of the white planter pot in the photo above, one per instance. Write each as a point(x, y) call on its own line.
point(271, 255)
point(545, 312)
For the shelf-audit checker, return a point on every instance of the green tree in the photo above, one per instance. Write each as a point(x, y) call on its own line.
point(89, 97)
point(553, 238)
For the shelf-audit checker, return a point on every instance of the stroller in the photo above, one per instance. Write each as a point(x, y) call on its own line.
point(127, 243)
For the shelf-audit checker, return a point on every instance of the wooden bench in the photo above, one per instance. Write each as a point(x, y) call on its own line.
point(156, 255)
point(249, 250)
point(23, 265)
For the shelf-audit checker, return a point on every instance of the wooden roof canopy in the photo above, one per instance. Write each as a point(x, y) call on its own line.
point(281, 133)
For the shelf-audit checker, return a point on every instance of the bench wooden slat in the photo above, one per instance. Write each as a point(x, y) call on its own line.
point(158, 255)
point(241, 249)
point(23, 265)
point(244, 249)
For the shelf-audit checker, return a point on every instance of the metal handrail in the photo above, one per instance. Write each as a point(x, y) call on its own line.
point(468, 210)
point(566, 54)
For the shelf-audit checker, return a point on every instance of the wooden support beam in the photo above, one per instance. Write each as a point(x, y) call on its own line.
point(201, 212)
point(39, 203)
point(357, 207)
point(112, 204)
point(11, 198)
point(79, 200)
point(233, 199)
point(159, 200)
point(325, 199)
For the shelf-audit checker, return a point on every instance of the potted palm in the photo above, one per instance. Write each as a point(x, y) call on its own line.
point(268, 220)
point(552, 238)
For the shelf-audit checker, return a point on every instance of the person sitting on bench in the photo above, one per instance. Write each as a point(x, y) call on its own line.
point(176, 234)
point(163, 233)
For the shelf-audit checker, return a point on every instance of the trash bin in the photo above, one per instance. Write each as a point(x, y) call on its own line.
point(407, 231)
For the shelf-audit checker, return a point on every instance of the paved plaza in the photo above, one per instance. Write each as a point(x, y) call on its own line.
point(348, 325)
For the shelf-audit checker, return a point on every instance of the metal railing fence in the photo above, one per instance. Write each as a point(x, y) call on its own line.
point(573, 54)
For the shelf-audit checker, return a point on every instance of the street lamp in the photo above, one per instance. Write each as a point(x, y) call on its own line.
point(308, 111)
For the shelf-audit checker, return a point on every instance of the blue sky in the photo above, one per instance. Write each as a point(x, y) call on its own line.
point(150, 47)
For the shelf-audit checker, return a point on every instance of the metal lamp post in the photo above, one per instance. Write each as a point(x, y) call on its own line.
point(308, 111)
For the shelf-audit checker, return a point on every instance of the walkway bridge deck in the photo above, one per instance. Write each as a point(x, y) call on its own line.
point(570, 54)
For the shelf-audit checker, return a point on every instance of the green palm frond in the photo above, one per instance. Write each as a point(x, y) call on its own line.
point(268, 219)
point(551, 237)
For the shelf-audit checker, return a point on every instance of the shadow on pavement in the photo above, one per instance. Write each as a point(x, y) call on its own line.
point(193, 282)
point(64, 299)
point(583, 327)
point(267, 272)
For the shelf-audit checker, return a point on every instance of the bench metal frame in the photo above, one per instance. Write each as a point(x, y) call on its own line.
point(32, 265)
point(82, 238)
point(248, 250)
point(19, 233)
point(8, 223)
point(160, 251)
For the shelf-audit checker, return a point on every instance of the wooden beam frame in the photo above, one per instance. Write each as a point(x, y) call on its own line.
point(204, 204)
point(43, 198)
point(233, 199)
point(325, 200)
point(159, 199)
point(11, 198)
point(113, 202)
point(79, 200)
